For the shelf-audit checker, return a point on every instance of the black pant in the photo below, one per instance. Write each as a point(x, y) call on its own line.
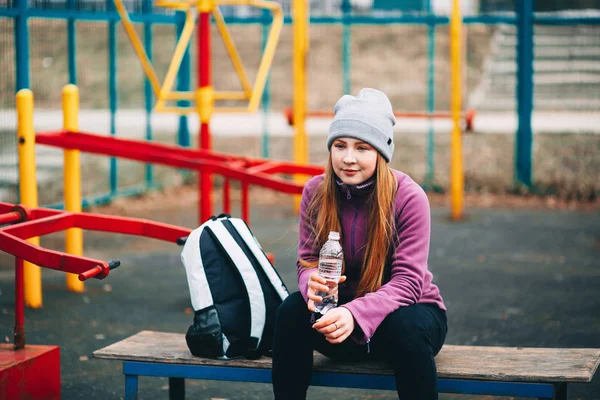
point(408, 339)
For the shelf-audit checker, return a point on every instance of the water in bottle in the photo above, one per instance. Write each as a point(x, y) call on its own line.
point(330, 268)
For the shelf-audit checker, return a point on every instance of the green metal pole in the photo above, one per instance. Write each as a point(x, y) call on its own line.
point(266, 97)
point(346, 46)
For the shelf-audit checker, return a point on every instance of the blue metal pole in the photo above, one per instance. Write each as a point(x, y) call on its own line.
point(346, 46)
point(524, 139)
point(430, 176)
point(266, 97)
point(148, 99)
point(22, 45)
point(72, 44)
point(183, 84)
point(112, 91)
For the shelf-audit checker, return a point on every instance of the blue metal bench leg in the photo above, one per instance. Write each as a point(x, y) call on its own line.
point(176, 389)
point(560, 391)
point(131, 387)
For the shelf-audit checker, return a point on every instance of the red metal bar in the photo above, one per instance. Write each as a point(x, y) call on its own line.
point(204, 80)
point(96, 222)
point(245, 203)
point(12, 238)
point(63, 139)
point(142, 152)
point(19, 334)
point(48, 258)
point(91, 273)
point(10, 217)
point(41, 226)
point(174, 156)
point(226, 197)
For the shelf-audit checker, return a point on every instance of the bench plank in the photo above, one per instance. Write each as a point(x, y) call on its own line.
point(510, 364)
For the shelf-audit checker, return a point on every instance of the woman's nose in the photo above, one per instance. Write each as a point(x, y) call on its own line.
point(349, 158)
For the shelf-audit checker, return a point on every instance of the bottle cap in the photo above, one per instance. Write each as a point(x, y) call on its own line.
point(334, 235)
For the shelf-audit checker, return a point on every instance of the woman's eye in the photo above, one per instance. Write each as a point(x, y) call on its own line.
point(363, 148)
point(339, 145)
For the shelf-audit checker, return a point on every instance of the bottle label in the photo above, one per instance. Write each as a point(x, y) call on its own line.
point(330, 269)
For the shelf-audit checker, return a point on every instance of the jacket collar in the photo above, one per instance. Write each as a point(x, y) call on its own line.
point(362, 189)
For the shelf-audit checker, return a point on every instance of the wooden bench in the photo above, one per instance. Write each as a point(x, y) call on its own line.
point(501, 371)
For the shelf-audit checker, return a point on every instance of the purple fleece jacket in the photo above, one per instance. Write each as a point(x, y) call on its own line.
point(410, 280)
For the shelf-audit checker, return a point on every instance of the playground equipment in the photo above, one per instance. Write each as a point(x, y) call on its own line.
point(248, 171)
point(34, 371)
point(205, 96)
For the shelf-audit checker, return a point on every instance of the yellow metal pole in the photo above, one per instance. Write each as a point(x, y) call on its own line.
point(182, 44)
point(28, 188)
point(138, 47)
point(268, 54)
point(300, 32)
point(456, 168)
point(72, 181)
point(238, 65)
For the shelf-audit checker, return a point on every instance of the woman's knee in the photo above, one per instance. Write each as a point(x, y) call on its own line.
point(406, 333)
point(292, 309)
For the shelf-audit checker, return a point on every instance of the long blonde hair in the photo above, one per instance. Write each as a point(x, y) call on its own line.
point(323, 212)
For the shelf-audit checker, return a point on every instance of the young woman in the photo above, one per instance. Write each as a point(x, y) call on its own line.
point(388, 307)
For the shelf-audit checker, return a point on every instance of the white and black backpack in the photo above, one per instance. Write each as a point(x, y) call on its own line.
point(234, 288)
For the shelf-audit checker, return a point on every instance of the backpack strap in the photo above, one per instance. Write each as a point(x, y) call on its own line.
point(197, 282)
point(251, 242)
point(253, 289)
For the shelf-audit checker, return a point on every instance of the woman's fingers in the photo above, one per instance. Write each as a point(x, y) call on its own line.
point(338, 339)
point(317, 278)
point(314, 297)
point(336, 334)
point(317, 287)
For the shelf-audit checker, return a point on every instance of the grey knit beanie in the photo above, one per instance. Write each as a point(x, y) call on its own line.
point(367, 117)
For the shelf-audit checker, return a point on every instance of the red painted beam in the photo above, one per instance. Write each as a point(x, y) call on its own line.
point(182, 158)
point(13, 238)
point(10, 217)
point(50, 258)
point(65, 139)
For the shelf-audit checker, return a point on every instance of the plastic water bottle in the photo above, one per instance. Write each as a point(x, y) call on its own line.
point(330, 268)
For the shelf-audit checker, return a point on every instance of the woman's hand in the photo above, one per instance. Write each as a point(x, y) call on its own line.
point(337, 324)
point(316, 284)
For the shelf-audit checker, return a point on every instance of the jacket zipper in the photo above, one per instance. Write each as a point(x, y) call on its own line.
point(348, 196)
point(368, 342)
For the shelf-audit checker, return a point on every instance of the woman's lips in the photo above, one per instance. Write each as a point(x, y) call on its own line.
point(350, 172)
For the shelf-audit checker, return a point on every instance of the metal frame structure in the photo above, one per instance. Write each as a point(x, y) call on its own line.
point(524, 18)
point(27, 223)
point(177, 373)
point(247, 170)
